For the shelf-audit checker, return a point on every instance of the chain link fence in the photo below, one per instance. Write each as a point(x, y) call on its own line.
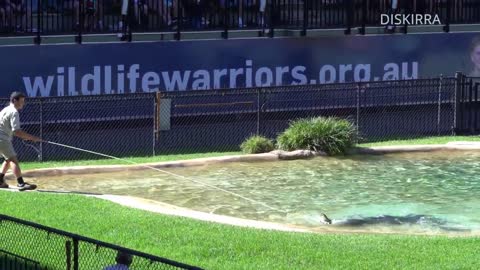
point(10, 261)
point(26, 246)
point(220, 120)
point(117, 124)
point(380, 110)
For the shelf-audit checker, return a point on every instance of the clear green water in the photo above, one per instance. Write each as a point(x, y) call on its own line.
point(444, 187)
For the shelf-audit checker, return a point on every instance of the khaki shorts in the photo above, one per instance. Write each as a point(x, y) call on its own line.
point(6, 149)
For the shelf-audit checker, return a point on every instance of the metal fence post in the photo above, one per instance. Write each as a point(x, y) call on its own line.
point(75, 254)
point(259, 107)
point(305, 18)
point(439, 112)
point(156, 118)
point(68, 253)
point(349, 14)
point(456, 104)
point(131, 18)
point(408, 11)
point(78, 38)
point(364, 17)
point(226, 20)
point(446, 27)
point(358, 110)
point(38, 38)
point(154, 124)
point(272, 19)
point(177, 35)
point(41, 130)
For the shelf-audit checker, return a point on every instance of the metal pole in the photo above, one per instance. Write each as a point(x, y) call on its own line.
point(38, 39)
point(456, 102)
point(41, 130)
point(439, 113)
point(364, 17)
point(68, 251)
point(155, 115)
point(305, 18)
point(78, 39)
point(131, 18)
point(226, 20)
point(271, 34)
point(446, 27)
point(177, 35)
point(349, 13)
point(75, 254)
point(258, 112)
point(358, 111)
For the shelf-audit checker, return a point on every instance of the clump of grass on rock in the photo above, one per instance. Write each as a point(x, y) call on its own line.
point(257, 144)
point(331, 135)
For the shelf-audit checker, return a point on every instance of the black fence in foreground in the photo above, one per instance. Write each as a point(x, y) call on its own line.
point(29, 246)
point(220, 120)
point(75, 17)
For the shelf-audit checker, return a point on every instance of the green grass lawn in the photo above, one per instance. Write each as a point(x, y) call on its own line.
point(158, 158)
point(172, 157)
point(215, 246)
point(428, 140)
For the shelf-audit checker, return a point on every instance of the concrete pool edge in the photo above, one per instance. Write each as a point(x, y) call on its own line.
point(271, 156)
point(158, 207)
point(172, 210)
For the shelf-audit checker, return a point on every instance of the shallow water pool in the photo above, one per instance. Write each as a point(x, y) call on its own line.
point(422, 192)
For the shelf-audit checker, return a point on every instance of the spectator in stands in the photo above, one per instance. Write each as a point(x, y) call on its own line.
point(74, 7)
point(141, 12)
point(167, 10)
point(475, 58)
point(90, 14)
point(15, 11)
point(240, 13)
point(123, 260)
point(164, 9)
point(4, 13)
point(262, 5)
point(17, 7)
point(109, 7)
point(232, 5)
point(193, 11)
point(392, 9)
point(239, 8)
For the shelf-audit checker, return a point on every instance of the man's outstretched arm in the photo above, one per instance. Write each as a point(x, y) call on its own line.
point(24, 135)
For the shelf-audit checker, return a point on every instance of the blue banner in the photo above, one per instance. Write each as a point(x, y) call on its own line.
point(99, 69)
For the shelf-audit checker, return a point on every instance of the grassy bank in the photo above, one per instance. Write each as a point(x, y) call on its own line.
point(160, 158)
point(215, 246)
point(428, 140)
point(149, 159)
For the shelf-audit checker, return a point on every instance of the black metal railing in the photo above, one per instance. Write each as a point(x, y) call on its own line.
point(220, 120)
point(26, 245)
point(75, 17)
point(10, 261)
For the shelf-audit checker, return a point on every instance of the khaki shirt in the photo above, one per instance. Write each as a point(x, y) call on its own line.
point(9, 122)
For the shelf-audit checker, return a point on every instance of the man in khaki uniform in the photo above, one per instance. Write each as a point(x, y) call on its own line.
point(10, 126)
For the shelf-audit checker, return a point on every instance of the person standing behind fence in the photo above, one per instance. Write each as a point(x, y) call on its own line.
point(123, 260)
point(9, 126)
